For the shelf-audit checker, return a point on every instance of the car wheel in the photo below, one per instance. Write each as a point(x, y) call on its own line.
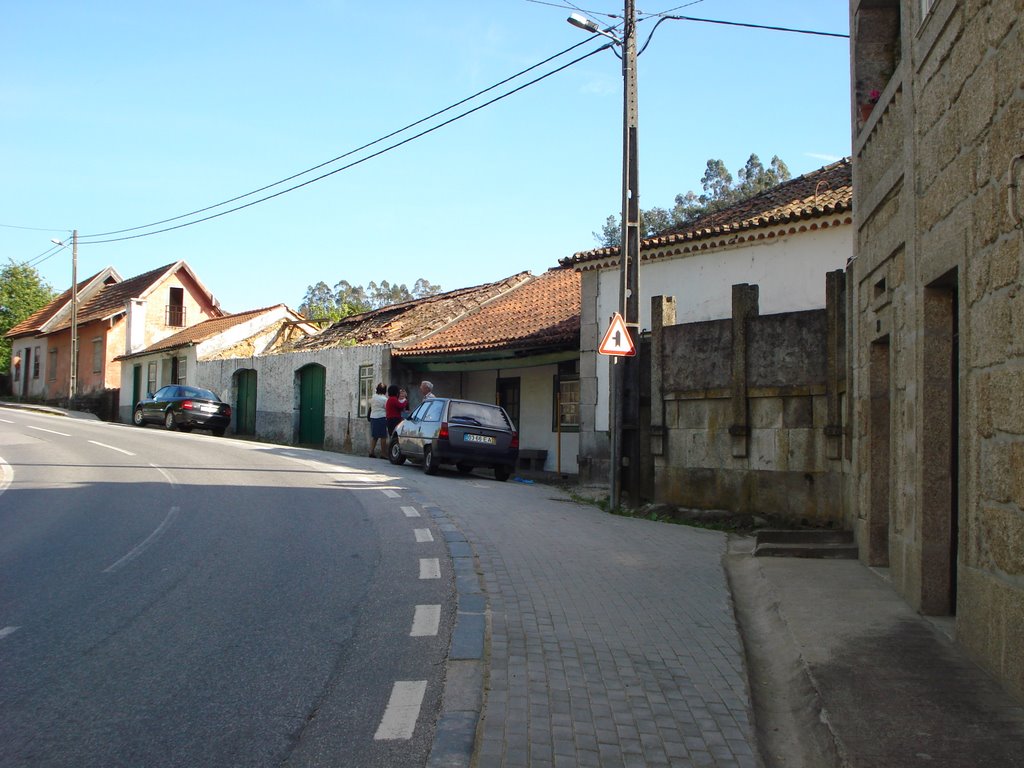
point(502, 473)
point(137, 418)
point(218, 432)
point(464, 469)
point(395, 455)
point(429, 465)
point(169, 420)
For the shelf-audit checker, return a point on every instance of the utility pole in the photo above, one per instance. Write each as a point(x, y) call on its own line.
point(73, 385)
point(626, 423)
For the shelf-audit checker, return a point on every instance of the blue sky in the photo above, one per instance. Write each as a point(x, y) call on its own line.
point(114, 115)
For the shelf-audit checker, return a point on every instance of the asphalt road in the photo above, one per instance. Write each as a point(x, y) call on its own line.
point(170, 600)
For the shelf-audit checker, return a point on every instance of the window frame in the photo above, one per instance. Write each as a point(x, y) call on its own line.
point(35, 362)
point(97, 355)
point(151, 377)
point(366, 389)
point(51, 364)
point(568, 374)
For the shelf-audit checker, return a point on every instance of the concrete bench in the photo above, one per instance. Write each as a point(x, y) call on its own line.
point(532, 459)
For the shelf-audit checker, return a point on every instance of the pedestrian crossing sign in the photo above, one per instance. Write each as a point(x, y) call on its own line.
point(617, 340)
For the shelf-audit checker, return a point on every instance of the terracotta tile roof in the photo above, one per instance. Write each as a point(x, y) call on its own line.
point(409, 320)
point(824, 192)
point(542, 313)
point(200, 332)
point(34, 322)
point(113, 299)
point(109, 300)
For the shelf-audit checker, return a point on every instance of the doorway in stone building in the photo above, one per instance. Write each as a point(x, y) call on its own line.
point(940, 455)
point(880, 425)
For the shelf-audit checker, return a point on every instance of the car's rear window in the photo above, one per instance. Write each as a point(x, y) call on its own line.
point(196, 392)
point(478, 413)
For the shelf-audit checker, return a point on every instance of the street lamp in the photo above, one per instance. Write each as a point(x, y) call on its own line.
point(73, 383)
point(625, 426)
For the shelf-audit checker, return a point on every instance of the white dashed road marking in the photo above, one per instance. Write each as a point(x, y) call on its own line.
point(430, 568)
point(410, 512)
point(425, 621)
point(111, 447)
point(7, 631)
point(403, 709)
point(390, 494)
point(51, 431)
point(5, 421)
point(6, 475)
point(423, 535)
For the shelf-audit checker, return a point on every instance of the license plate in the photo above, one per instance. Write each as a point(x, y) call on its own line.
point(479, 439)
point(208, 408)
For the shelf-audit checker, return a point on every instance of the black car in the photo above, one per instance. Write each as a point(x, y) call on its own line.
point(465, 433)
point(179, 407)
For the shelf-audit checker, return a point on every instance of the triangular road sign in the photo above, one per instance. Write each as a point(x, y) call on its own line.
point(617, 340)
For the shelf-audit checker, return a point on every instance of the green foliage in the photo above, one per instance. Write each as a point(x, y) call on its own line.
point(322, 302)
point(22, 292)
point(720, 191)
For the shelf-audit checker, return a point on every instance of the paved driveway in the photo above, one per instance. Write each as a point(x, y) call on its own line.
point(612, 640)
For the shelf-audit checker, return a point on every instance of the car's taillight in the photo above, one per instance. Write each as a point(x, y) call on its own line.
point(443, 434)
point(515, 440)
point(186, 405)
point(227, 411)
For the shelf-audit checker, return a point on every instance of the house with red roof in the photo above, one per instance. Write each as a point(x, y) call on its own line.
point(173, 360)
point(316, 390)
point(113, 316)
point(514, 341)
point(781, 244)
point(520, 350)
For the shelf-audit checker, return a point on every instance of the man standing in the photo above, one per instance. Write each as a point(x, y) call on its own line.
point(426, 389)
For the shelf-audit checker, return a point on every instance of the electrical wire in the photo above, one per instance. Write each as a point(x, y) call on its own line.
point(749, 26)
point(35, 229)
point(342, 156)
point(356, 162)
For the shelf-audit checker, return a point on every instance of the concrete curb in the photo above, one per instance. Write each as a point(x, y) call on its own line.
point(462, 701)
point(792, 724)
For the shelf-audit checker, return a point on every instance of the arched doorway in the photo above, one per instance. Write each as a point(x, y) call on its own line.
point(312, 381)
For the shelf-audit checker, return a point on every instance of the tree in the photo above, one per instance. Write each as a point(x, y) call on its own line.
point(719, 192)
point(22, 292)
point(324, 303)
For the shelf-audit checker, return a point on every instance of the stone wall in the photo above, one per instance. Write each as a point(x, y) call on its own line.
point(745, 422)
point(937, 339)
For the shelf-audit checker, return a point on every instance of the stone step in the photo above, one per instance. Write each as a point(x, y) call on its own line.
point(818, 551)
point(822, 544)
point(804, 536)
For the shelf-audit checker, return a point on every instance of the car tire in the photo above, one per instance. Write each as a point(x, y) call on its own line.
point(395, 455)
point(464, 469)
point(169, 420)
point(138, 419)
point(501, 474)
point(429, 464)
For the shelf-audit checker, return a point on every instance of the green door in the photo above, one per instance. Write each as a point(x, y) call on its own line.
point(245, 407)
point(312, 381)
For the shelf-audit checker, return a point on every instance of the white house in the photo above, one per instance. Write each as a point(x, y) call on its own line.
point(784, 240)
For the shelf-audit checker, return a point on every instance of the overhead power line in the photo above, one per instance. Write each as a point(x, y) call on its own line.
point(339, 157)
point(356, 162)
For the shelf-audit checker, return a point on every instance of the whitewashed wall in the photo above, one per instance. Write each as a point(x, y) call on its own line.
point(277, 398)
point(535, 411)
